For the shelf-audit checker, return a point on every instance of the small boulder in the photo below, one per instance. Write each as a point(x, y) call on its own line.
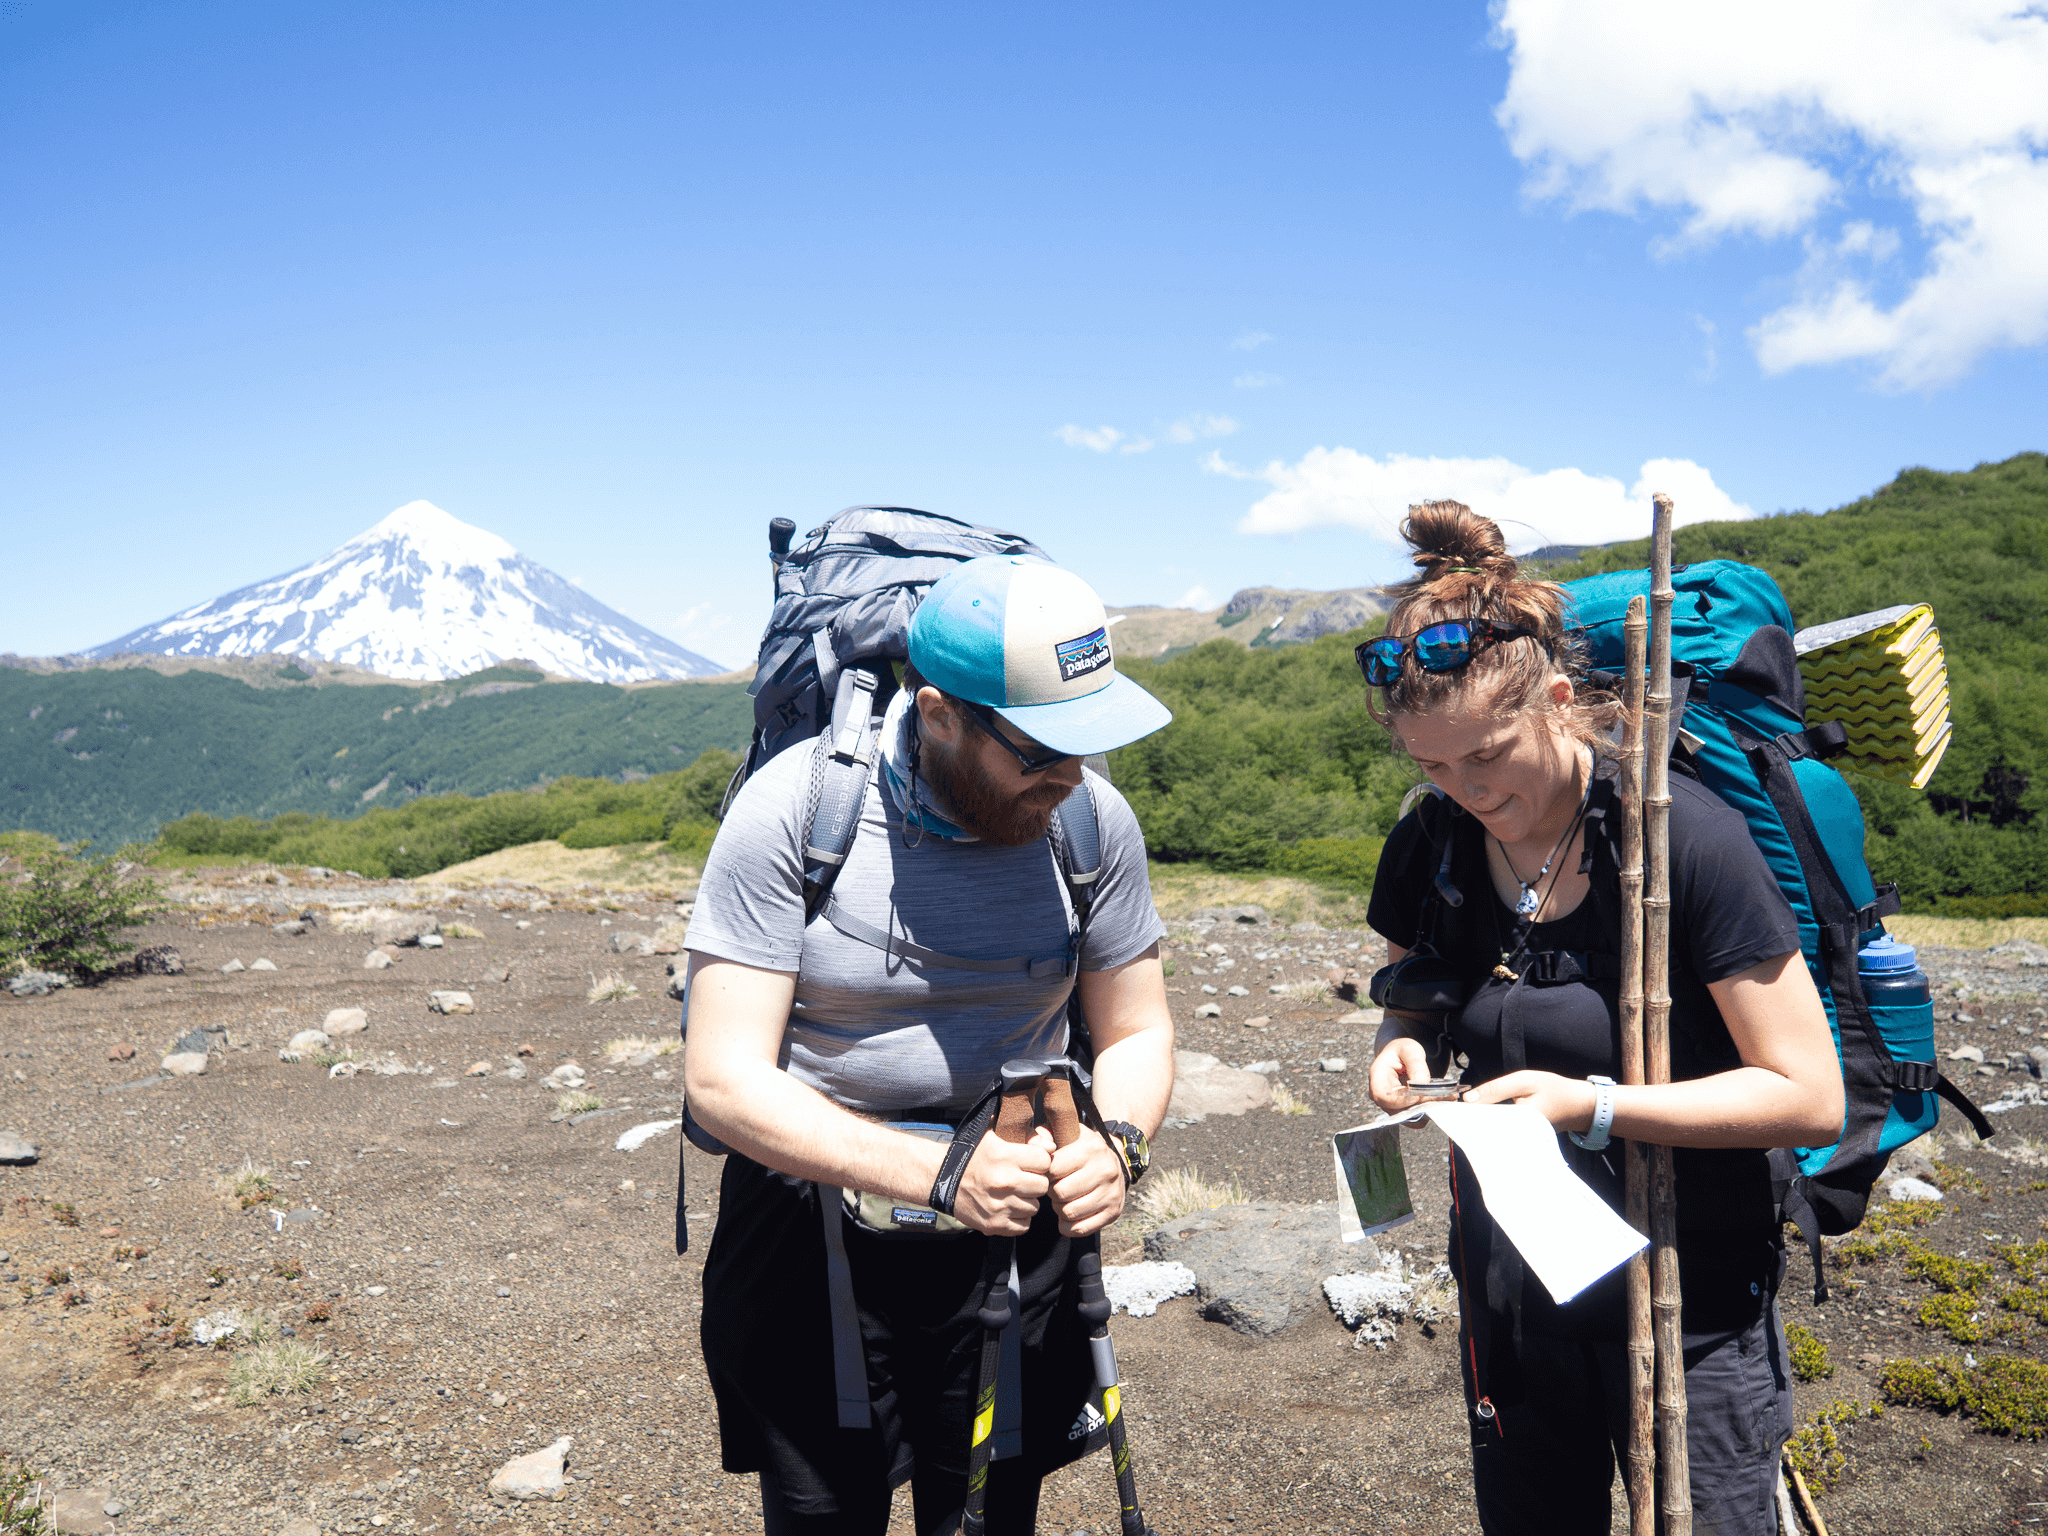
point(159, 960)
point(1334, 1064)
point(1371, 1016)
point(678, 978)
point(432, 941)
point(1258, 1021)
point(1204, 1086)
point(80, 1512)
point(37, 983)
point(309, 1040)
point(404, 928)
point(525, 1049)
point(451, 1002)
point(568, 1075)
point(185, 1063)
point(262, 965)
point(1913, 1189)
point(341, 1022)
point(294, 928)
point(1967, 1053)
point(478, 1069)
point(231, 967)
point(1209, 1011)
point(1260, 1266)
point(536, 1475)
point(16, 1151)
point(376, 960)
point(121, 1051)
point(624, 943)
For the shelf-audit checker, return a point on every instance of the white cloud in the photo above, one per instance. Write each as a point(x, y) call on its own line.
point(1760, 116)
point(1340, 487)
point(1188, 429)
point(1255, 380)
point(1196, 596)
point(1250, 341)
point(1099, 439)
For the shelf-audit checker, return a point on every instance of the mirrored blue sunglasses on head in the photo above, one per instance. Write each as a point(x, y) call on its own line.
point(1439, 648)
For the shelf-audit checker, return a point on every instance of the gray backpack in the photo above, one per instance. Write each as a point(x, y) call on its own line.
point(843, 599)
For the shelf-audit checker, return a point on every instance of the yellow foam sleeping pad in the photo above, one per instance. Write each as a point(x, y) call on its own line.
point(1881, 675)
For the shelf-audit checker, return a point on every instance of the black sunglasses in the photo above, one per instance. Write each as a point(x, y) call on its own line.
point(1439, 648)
point(1032, 757)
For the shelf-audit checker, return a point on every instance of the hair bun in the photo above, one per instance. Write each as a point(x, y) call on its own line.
point(1450, 539)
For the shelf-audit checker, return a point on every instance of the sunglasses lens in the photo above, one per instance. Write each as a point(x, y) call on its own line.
point(1382, 661)
point(1444, 647)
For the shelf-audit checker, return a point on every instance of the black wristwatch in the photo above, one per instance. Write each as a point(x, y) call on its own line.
point(1131, 1142)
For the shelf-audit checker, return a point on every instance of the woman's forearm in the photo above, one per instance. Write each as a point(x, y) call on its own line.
point(1742, 1107)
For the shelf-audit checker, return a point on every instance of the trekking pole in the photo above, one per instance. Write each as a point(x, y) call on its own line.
point(1642, 1351)
point(1676, 1494)
point(1016, 1118)
point(1064, 1117)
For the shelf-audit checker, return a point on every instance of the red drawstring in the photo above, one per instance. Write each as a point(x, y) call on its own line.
point(1484, 1404)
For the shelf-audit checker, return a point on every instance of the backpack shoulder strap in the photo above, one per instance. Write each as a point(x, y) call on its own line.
point(840, 769)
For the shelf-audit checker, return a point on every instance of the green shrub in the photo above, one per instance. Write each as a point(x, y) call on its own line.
point(1345, 861)
point(63, 914)
point(2005, 1395)
point(642, 826)
point(21, 1500)
point(1810, 1360)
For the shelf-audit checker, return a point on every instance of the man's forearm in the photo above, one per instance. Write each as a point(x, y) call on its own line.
point(760, 1110)
point(1134, 1078)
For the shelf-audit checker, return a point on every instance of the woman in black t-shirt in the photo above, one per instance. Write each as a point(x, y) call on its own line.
point(1479, 682)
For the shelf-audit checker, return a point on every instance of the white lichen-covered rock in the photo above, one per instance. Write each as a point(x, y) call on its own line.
point(309, 1040)
point(376, 960)
point(1355, 1298)
point(185, 1063)
point(536, 1475)
point(1139, 1288)
point(1913, 1189)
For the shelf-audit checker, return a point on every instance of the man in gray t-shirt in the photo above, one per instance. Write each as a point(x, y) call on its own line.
point(807, 1040)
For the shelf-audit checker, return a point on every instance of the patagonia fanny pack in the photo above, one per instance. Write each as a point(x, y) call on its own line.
point(887, 1216)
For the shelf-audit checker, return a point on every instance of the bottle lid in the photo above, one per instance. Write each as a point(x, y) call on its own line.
point(1886, 953)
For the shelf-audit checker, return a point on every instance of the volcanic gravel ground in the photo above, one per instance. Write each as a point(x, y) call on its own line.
point(441, 1189)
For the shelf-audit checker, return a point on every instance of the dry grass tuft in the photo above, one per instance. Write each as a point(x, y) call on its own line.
point(577, 1103)
point(281, 1366)
point(460, 931)
point(1286, 1102)
point(1173, 1193)
point(610, 988)
point(628, 1046)
point(250, 1184)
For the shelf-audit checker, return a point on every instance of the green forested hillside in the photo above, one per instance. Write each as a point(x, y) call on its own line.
point(1975, 545)
point(112, 754)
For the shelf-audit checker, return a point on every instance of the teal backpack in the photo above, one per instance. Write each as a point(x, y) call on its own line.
point(1742, 732)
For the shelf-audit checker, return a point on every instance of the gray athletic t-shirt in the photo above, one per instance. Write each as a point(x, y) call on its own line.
point(881, 1035)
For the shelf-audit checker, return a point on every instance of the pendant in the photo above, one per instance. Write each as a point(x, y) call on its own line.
point(1527, 904)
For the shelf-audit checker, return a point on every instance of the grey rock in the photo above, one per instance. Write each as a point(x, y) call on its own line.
point(1913, 1189)
point(1364, 1016)
point(159, 960)
point(343, 1022)
point(1911, 1163)
point(405, 928)
point(184, 1064)
point(504, 1291)
point(115, 1507)
point(1967, 1053)
point(1239, 991)
point(1965, 1018)
point(536, 1475)
point(2037, 1059)
point(2022, 950)
point(200, 1040)
point(376, 960)
point(309, 1040)
point(624, 943)
point(1334, 1064)
point(37, 983)
point(432, 941)
point(294, 928)
point(1259, 1267)
point(1209, 1011)
point(1204, 1086)
point(261, 965)
point(451, 1002)
point(80, 1512)
point(17, 1150)
point(231, 967)
point(350, 1436)
point(1248, 915)
point(304, 1216)
point(140, 1082)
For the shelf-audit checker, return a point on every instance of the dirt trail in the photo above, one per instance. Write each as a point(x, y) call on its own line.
point(418, 1197)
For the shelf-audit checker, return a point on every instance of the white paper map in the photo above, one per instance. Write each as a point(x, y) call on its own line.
point(1566, 1233)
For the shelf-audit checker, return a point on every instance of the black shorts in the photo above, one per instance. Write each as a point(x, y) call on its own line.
point(767, 1337)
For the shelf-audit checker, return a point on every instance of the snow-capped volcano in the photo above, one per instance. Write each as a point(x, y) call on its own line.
point(422, 595)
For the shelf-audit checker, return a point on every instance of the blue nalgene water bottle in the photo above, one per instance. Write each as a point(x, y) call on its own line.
point(1903, 1008)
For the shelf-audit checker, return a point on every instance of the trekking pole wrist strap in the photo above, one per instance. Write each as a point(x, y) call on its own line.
point(953, 1167)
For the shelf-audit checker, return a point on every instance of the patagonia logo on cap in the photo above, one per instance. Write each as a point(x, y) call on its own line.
point(1079, 657)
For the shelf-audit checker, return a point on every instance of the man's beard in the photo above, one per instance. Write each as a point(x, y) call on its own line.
point(1008, 821)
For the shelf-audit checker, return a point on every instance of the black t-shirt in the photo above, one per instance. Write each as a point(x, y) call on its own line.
point(1727, 914)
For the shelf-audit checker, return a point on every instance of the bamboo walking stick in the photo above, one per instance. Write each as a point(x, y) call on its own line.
point(1642, 1367)
point(1675, 1495)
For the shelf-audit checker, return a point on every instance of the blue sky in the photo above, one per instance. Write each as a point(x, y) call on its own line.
point(622, 283)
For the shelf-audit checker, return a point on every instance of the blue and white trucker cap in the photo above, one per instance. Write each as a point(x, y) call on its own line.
point(1030, 640)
